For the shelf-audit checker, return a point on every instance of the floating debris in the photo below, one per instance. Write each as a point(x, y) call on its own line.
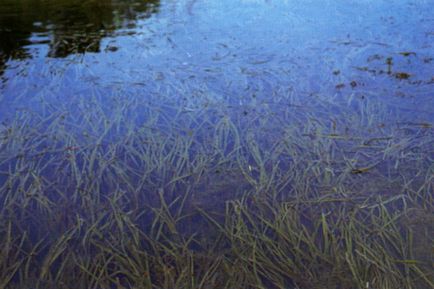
point(406, 54)
point(375, 57)
point(402, 75)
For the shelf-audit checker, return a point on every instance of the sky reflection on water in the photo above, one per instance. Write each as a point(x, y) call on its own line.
point(337, 50)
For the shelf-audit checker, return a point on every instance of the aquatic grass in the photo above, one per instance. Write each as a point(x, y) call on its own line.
point(304, 244)
point(126, 193)
point(11, 257)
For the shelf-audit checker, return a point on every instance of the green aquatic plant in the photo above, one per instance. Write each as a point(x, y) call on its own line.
point(128, 193)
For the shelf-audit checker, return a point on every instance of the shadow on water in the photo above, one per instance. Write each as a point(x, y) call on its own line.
point(66, 26)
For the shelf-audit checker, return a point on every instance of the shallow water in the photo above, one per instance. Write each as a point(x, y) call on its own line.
point(231, 49)
point(121, 119)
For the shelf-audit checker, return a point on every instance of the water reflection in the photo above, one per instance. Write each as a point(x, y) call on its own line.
point(66, 26)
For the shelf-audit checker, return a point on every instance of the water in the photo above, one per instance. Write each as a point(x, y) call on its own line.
point(227, 47)
point(127, 127)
